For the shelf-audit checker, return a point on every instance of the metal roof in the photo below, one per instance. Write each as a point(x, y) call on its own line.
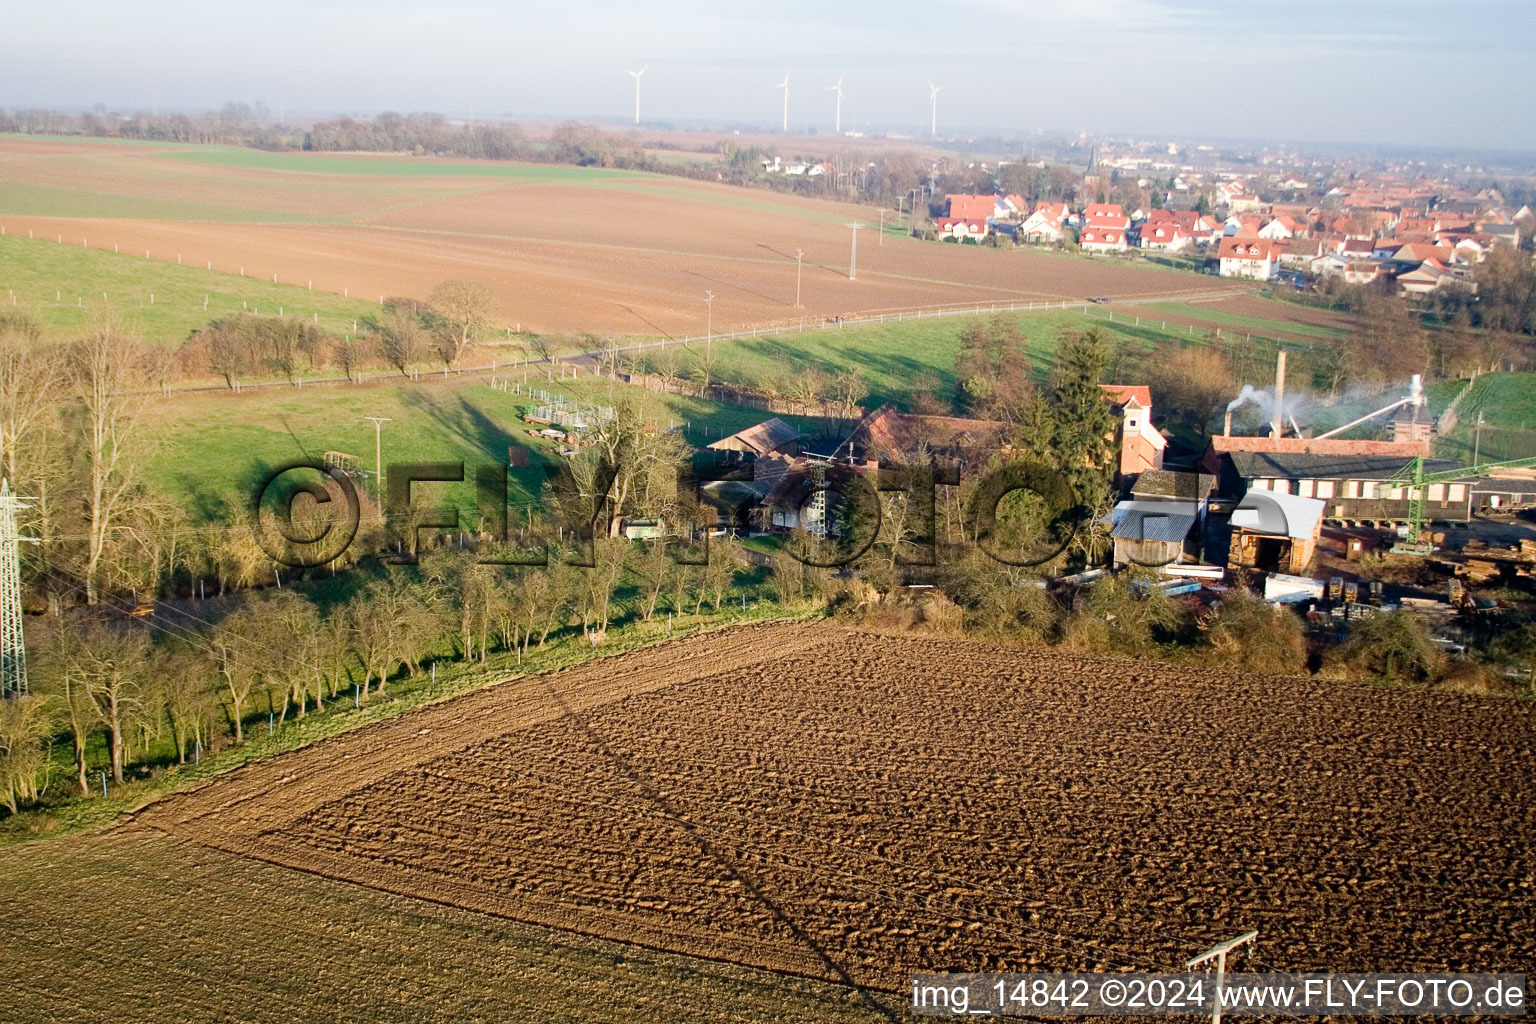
point(1166, 521)
point(1313, 466)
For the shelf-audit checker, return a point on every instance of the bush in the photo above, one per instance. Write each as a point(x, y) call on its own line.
point(1394, 646)
point(1248, 633)
point(1114, 619)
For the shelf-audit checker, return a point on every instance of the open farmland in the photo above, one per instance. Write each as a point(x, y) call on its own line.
point(846, 806)
point(564, 249)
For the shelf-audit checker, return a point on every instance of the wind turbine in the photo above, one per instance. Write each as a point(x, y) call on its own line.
point(785, 86)
point(636, 75)
point(933, 107)
point(838, 88)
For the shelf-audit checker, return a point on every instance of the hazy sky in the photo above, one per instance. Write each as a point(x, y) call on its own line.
point(1448, 72)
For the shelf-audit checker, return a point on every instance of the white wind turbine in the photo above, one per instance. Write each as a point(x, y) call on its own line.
point(933, 107)
point(838, 88)
point(785, 86)
point(636, 76)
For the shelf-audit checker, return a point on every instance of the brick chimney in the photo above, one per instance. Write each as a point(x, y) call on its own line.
point(1277, 425)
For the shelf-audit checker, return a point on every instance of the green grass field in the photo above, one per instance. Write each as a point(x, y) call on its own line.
point(62, 286)
point(1248, 323)
point(46, 201)
point(892, 356)
point(1507, 402)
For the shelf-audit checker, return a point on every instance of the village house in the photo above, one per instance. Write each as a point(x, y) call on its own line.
point(961, 229)
point(1046, 224)
point(1430, 276)
point(1301, 253)
point(1166, 236)
point(1251, 258)
point(1282, 227)
point(968, 207)
point(1096, 238)
point(1110, 215)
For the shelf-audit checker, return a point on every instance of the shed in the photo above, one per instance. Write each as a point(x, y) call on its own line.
point(765, 438)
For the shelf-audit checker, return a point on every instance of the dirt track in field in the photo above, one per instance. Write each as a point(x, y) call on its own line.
point(855, 807)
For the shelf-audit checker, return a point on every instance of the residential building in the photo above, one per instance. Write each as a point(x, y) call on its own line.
point(968, 207)
point(1095, 238)
point(1106, 215)
point(1166, 236)
point(1252, 258)
point(961, 229)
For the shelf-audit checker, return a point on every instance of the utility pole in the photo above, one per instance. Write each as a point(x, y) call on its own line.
point(1219, 953)
point(13, 646)
point(799, 255)
point(378, 462)
point(881, 239)
point(1477, 439)
point(709, 322)
point(853, 257)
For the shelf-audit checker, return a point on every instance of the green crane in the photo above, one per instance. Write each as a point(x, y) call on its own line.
point(1413, 478)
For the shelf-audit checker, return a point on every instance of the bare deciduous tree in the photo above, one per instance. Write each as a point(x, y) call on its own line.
point(402, 340)
point(109, 372)
point(467, 308)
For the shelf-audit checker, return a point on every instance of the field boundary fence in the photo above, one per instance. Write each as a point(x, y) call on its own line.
point(1447, 420)
point(868, 318)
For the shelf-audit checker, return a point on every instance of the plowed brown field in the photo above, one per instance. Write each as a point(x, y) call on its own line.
point(852, 806)
point(563, 249)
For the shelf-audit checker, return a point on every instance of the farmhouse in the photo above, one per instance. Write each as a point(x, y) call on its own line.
point(889, 437)
point(1252, 258)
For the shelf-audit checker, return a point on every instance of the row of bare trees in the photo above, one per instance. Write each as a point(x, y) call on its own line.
point(153, 691)
point(244, 346)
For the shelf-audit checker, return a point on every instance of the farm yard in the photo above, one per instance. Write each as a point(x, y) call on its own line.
point(837, 807)
point(564, 249)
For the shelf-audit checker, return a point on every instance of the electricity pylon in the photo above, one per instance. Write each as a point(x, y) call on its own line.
point(13, 646)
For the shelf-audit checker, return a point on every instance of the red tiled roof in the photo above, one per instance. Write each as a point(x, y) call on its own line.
point(1120, 394)
point(962, 207)
point(1246, 249)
